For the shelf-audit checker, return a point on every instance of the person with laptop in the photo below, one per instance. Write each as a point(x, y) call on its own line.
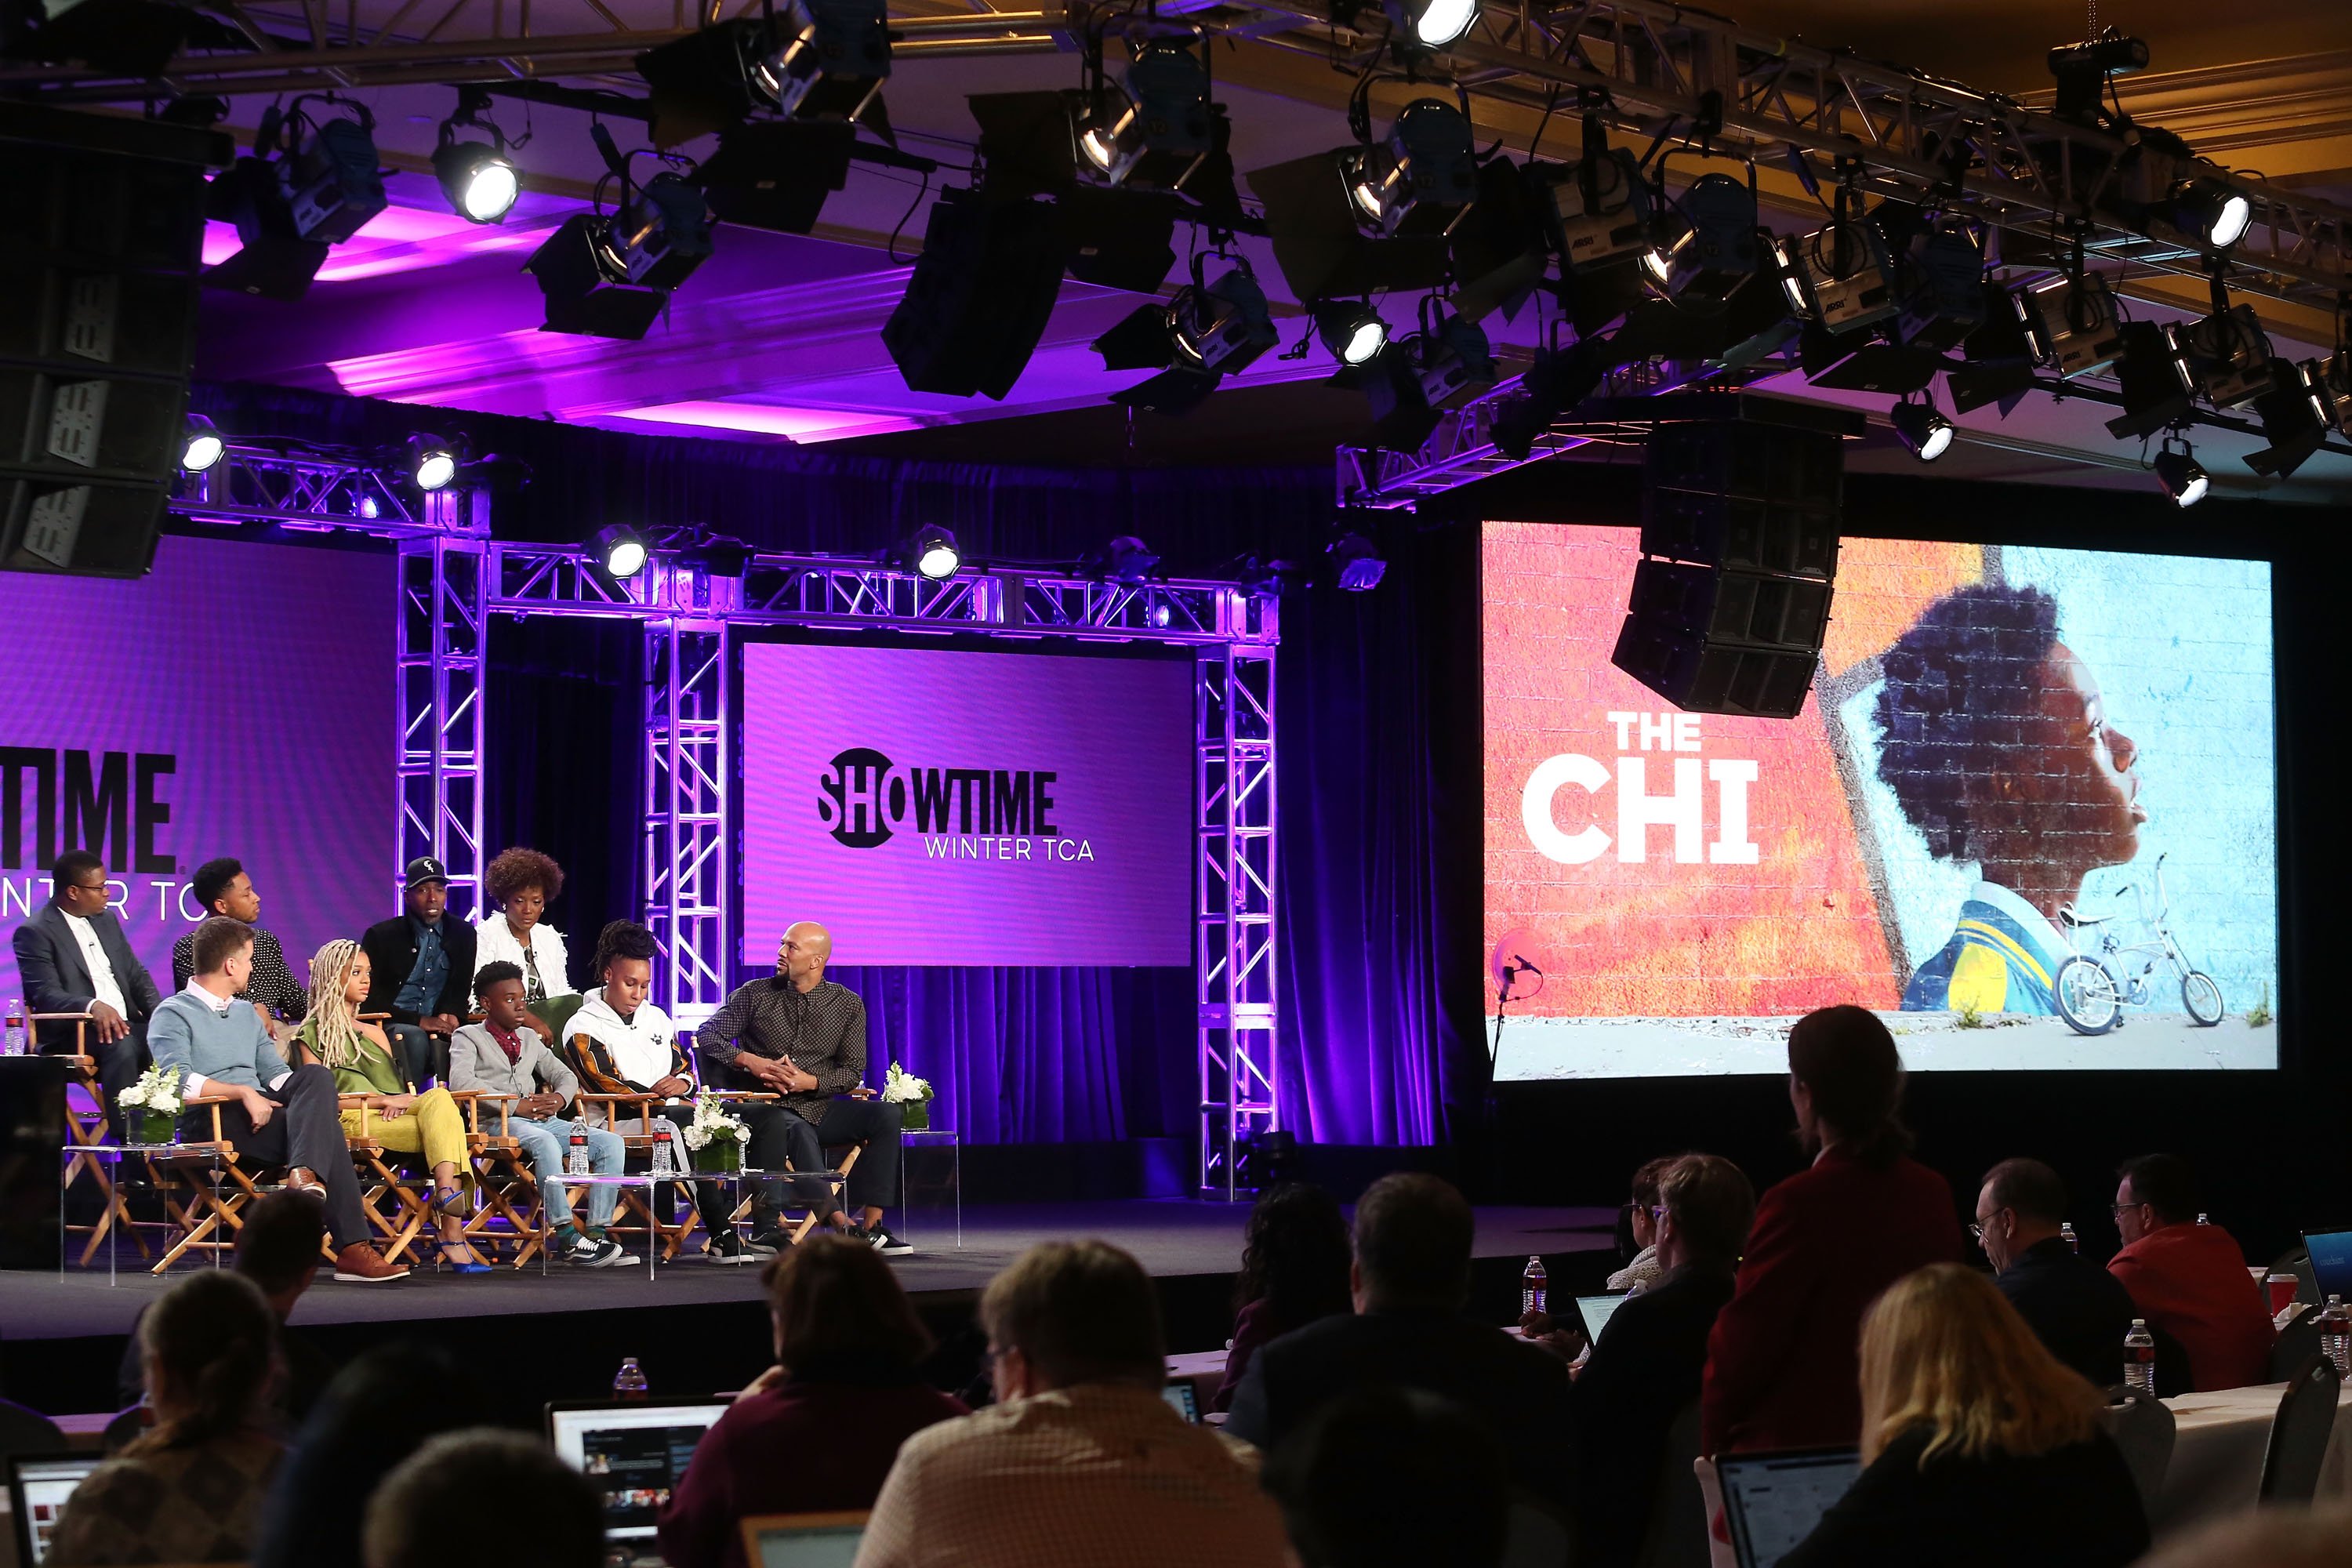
point(1977, 1446)
point(1295, 1258)
point(1080, 1461)
point(2074, 1306)
point(190, 1489)
point(2190, 1279)
point(1411, 1282)
point(818, 1431)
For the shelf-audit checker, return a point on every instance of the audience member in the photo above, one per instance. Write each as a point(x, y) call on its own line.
point(2075, 1306)
point(485, 1499)
point(1390, 1477)
point(1294, 1272)
point(72, 957)
point(222, 888)
point(422, 968)
point(277, 1115)
point(1410, 1280)
point(1780, 1360)
point(819, 1431)
point(524, 882)
point(277, 1249)
point(1649, 1361)
point(800, 1035)
point(379, 1410)
point(621, 1043)
point(360, 1056)
point(2273, 1537)
point(1081, 1460)
point(190, 1490)
point(496, 1057)
point(2188, 1278)
point(1978, 1446)
point(1641, 1220)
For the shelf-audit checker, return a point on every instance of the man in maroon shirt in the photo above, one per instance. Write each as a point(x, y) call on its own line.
point(2188, 1278)
point(1782, 1364)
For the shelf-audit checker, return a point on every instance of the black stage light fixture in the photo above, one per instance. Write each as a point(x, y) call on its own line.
point(809, 59)
point(981, 294)
point(2229, 354)
point(478, 177)
point(929, 552)
point(1159, 129)
point(1710, 247)
point(2084, 69)
point(1126, 559)
point(1354, 332)
point(1206, 332)
point(2294, 421)
point(609, 275)
point(776, 174)
point(617, 550)
point(2076, 322)
point(1926, 433)
point(431, 463)
point(2154, 375)
point(1323, 252)
point(1837, 276)
point(2183, 477)
point(1555, 383)
point(201, 447)
point(2332, 378)
point(311, 185)
point(1420, 179)
point(1598, 205)
point(2209, 211)
point(1499, 245)
point(1410, 383)
point(1115, 237)
point(1940, 280)
point(1431, 23)
point(1357, 565)
point(2002, 354)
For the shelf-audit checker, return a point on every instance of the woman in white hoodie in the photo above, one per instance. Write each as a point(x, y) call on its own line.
point(524, 882)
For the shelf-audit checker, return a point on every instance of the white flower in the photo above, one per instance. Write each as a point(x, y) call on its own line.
point(158, 1089)
point(712, 1124)
point(900, 1087)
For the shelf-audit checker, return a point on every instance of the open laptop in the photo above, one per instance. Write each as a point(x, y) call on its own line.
point(2331, 1265)
point(635, 1451)
point(1180, 1392)
point(38, 1490)
point(1595, 1310)
point(803, 1540)
point(1771, 1501)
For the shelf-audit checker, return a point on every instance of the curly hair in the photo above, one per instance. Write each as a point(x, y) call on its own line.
point(1295, 1255)
point(512, 870)
point(622, 939)
point(1959, 686)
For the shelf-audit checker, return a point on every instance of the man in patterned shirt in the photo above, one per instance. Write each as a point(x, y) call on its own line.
point(222, 888)
point(799, 1035)
point(1080, 1463)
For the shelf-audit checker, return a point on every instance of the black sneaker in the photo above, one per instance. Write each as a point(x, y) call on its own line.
point(606, 1254)
point(769, 1242)
point(727, 1248)
point(880, 1239)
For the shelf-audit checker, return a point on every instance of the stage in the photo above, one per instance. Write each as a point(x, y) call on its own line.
point(699, 1328)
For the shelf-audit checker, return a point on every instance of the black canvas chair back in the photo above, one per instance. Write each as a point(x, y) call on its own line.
point(1677, 1534)
point(2296, 1343)
point(2299, 1433)
point(2142, 1426)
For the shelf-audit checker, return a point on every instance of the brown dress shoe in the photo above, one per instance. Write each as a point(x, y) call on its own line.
point(360, 1263)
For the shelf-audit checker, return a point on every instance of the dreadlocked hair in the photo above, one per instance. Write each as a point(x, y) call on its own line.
point(622, 939)
point(213, 1335)
point(335, 1038)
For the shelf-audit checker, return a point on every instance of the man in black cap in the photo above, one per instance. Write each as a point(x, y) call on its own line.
point(421, 970)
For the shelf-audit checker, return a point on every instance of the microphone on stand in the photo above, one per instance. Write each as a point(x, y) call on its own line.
point(1521, 960)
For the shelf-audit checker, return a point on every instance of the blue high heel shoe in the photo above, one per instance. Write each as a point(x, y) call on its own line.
point(453, 1203)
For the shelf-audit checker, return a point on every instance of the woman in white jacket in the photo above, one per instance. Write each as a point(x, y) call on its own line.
point(524, 882)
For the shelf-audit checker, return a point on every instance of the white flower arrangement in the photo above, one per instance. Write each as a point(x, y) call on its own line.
point(158, 1090)
point(900, 1087)
point(711, 1124)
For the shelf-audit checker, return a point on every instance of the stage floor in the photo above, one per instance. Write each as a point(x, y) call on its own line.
point(1172, 1237)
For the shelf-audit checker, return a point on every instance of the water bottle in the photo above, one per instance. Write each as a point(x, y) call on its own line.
point(1531, 1286)
point(575, 1155)
point(15, 1040)
point(629, 1382)
point(2066, 1229)
point(2140, 1358)
point(2335, 1335)
point(664, 1163)
point(2204, 1219)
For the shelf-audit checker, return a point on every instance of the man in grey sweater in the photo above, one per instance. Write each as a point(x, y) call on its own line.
point(501, 1056)
point(278, 1115)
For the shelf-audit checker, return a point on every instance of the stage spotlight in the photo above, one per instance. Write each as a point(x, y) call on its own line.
point(810, 60)
point(1837, 276)
point(1554, 385)
point(1712, 249)
point(1927, 433)
point(2076, 320)
point(1432, 23)
point(2210, 212)
point(1157, 131)
point(1600, 206)
point(2182, 477)
point(1420, 179)
point(432, 462)
point(931, 551)
point(2333, 379)
point(1126, 559)
point(201, 447)
point(608, 275)
point(2294, 421)
point(477, 176)
point(618, 550)
point(1941, 276)
point(311, 185)
point(2154, 375)
point(1410, 383)
point(1353, 333)
point(1356, 562)
point(2229, 354)
point(2083, 69)
point(1202, 335)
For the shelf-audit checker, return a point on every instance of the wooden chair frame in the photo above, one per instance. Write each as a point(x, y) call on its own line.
point(199, 1230)
point(86, 1131)
point(501, 1169)
point(671, 1239)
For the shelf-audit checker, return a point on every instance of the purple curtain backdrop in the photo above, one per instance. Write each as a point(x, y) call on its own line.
point(1375, 693)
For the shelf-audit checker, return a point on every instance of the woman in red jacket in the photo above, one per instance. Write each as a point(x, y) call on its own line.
point(1781, 1362)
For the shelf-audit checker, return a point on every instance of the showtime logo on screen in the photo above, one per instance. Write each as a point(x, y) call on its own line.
point(960, 814)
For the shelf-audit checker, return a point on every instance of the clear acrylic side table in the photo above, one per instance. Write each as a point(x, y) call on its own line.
point(951, 1190)
point(117, 1215)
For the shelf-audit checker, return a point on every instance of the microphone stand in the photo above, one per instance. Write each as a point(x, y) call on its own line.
point(1502, 1000)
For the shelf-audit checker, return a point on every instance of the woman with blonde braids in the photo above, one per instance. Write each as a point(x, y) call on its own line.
point(359, 1053)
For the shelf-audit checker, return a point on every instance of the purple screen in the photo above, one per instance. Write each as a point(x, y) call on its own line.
point(939, 807)
point(236, 700)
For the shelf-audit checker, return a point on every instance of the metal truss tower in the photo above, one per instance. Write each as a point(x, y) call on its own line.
point(439, 705)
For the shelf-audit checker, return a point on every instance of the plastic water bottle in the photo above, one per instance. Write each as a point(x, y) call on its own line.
point(2335, 1335)
point(576, 1154)
point(2073, 1242)
point(629, 1382)
point(15, 1045)
point(2140, 1358)
point(665, 1162)
point(1532, 1293)
point(2204, 1219)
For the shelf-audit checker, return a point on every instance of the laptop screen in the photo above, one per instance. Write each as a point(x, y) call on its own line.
point(1180, 1392)
point(2331, 1262)
point(1596, 1311)
point(38, 1490)
point(811, 1540)
point(1771, 1501)
point(635, 1454)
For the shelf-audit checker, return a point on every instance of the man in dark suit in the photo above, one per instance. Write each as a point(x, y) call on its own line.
point(73, 958)
point(2074, 1306)
point(421, 971)
point(1410, 1280)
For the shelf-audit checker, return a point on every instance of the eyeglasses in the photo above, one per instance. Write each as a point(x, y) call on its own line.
point(2116, 1211)
point(97, 887)
point(1977, 1230)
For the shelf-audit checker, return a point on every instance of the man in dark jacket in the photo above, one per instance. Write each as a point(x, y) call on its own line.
point(2074, 1306)
point(1410, 1280)
point(421, 970)
point(72, 957)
